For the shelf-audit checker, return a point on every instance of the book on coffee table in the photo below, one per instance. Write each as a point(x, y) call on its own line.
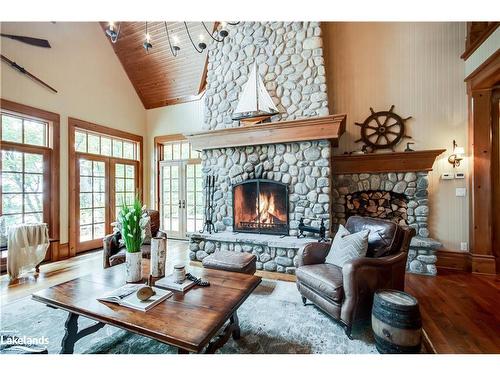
point(168, 282)
point(127, 296)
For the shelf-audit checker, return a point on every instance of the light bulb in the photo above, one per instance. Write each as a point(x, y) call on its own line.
point(223, 24)
point(148, 37)
point(111, 25)
point(175, 39)
point(201, 37)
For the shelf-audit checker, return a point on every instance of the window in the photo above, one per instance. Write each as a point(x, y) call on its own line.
point(24, 130)
point(22, 187)
point(100, 144)
point(125, 186)
point(29, 172)
point(179, 150)
point(107, 169)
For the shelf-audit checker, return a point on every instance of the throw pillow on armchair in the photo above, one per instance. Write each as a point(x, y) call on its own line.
point(347, 246)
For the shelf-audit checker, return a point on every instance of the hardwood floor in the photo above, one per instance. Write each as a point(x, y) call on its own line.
point(460, 311)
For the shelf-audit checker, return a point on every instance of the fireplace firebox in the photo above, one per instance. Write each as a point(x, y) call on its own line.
point(260, 206)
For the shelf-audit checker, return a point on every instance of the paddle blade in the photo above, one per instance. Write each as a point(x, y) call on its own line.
point(28, 40)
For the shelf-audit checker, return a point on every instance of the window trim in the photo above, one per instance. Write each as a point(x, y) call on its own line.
point(53, 120)
point(73, 125)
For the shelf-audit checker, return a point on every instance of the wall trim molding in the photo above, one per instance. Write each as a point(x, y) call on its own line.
point(454, 260)
point(465, 261)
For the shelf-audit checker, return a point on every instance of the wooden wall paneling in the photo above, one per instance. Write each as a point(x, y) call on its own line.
point(449, 259)
point(481, 85)
point(159, 77)
point(495, 173)
point(482, 215)
point(72, 214)
point(53, 166)
point(477, 33)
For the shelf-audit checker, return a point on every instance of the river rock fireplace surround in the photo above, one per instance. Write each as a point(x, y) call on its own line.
point(295, 167)
point(292, 153)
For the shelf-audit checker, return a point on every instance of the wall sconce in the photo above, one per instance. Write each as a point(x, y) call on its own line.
point(457, 156)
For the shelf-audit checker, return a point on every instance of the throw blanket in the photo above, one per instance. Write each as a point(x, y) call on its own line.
point(27, 245)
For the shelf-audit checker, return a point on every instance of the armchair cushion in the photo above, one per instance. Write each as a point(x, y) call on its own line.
point(347, 246)
point(385, 236)
point(325, 279)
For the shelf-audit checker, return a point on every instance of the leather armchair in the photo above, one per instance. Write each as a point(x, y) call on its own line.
point(114, 253)
point(346, 294)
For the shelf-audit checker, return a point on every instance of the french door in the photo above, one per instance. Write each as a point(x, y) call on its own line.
point(181, 197)
point(103, 185)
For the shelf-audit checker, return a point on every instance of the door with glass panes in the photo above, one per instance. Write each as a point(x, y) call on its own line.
point(104, 185)
point(181, 197)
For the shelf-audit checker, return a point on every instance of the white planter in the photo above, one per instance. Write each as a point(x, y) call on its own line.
point(133, 266)
point(158, 256)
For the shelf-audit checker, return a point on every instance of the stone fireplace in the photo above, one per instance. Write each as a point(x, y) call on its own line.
point(364, 185)
point(260, 206)
point(270, 176)
point(296, 175)
point(266, 183)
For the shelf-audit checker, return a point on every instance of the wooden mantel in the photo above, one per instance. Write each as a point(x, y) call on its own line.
point(414, 161)
point(326, 127)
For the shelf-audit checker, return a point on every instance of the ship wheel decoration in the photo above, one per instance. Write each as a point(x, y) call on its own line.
point(384, 129)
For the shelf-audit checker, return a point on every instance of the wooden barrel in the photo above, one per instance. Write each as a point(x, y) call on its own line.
point(396, 322)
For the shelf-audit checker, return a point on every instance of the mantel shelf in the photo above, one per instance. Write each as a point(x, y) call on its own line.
point(414, 161)
point(327, 127)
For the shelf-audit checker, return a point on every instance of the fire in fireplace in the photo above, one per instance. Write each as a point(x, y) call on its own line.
point(260, 206)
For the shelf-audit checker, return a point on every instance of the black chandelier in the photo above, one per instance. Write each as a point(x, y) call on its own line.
point(113, 31)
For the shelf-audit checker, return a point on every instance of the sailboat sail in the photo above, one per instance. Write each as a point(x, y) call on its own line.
point(264, 100)
point(248, 100)
point(255, 101)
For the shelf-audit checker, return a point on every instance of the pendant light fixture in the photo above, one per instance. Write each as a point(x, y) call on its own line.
point(113, 31)
point(147, 43)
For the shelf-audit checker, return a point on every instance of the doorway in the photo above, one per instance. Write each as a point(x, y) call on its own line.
point(180, 189)
point(181, 208)
point(104, 184)
point(105, 173)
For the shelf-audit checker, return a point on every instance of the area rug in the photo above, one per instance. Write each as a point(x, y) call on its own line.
point(272, 320)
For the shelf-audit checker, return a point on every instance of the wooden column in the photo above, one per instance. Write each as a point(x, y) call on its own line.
point(482, 89)
point(482, 259)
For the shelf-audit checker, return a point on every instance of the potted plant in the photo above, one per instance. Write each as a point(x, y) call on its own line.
point(133, 220)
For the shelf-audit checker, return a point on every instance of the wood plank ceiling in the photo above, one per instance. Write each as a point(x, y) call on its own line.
point(159, 78)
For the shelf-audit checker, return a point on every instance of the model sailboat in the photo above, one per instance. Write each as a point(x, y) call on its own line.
point(255, 104)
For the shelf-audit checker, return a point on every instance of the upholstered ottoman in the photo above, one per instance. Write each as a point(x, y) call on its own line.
point(231, 261)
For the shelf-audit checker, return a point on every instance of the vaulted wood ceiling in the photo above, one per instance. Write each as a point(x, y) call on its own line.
point(158, 77)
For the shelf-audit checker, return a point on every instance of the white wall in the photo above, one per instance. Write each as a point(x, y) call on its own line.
point(90, 80)
point(416, 67)
point(174, 119)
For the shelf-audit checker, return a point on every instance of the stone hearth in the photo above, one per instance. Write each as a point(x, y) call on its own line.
point(273, 253)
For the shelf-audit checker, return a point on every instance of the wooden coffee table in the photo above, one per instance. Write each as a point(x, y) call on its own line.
point(192, 321)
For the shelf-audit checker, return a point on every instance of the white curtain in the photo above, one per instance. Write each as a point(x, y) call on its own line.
point(27, 245)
